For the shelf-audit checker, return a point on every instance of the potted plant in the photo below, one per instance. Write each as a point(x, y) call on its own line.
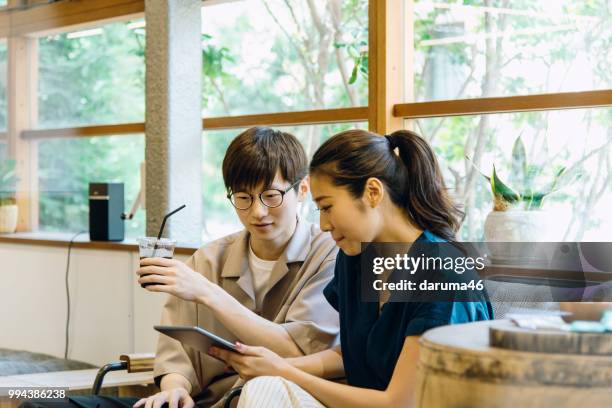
point(517, 214)
point(8, 203)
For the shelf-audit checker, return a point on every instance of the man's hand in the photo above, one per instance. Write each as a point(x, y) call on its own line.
point(176, 397)
point(174, 277)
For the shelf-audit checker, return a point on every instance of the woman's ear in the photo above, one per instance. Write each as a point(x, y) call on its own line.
point(303, 188)
point(373, 192)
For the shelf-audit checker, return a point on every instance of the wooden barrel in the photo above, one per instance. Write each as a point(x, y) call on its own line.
point(458, 368)
point(509, 336)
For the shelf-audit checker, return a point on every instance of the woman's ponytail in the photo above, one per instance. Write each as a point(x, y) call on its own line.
point(425, 196)
point(413, 179)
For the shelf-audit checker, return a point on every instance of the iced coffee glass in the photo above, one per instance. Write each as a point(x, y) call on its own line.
point(149, 247)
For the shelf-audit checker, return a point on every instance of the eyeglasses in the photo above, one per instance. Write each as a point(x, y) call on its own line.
point(271, 198)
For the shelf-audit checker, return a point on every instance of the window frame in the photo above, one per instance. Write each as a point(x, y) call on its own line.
point(389, 39)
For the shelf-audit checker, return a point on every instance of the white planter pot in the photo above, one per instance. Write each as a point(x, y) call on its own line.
point(517, 226)
point(8, 218)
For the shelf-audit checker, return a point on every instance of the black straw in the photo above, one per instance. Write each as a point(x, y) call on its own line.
point(161, 230)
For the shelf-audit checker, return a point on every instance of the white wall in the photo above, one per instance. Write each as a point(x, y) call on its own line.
point(110, 313)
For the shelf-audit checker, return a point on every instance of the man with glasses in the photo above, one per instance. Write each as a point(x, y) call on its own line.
point(261, 286)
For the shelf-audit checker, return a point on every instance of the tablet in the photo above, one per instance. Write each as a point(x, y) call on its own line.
point(196, 337)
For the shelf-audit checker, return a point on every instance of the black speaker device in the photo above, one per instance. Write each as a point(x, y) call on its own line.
point(105, 208)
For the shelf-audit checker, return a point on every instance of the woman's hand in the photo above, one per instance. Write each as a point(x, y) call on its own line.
point(176, 397)
point(174, 277)
point(253, 361)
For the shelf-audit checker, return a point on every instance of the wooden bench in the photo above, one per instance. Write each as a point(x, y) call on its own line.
point(138, 382)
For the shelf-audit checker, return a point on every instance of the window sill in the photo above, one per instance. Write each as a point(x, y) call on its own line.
point(62, 239)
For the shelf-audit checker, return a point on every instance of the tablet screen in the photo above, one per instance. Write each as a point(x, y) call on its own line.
point(196, 337)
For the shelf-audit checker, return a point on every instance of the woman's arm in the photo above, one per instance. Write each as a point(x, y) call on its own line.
point(314, 322)
point(257, 361)
point(249, 327)
point(324, 364)
point(399, 393)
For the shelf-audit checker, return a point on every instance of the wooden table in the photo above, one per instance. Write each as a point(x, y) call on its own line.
point(458, 368)
point(129, 384)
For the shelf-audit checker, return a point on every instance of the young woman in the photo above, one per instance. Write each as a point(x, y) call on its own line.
point(368, 189)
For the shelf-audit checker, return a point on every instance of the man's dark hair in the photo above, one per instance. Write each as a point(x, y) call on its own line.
point(255, 156)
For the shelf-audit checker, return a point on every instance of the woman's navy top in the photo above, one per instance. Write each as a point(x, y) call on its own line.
point(372, 343)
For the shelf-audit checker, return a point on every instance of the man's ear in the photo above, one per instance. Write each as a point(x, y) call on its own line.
point(303, 188)
point(373, 192)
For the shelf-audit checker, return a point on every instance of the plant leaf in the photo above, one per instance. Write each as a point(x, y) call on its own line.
point(561, 179)
point(558, 175)
point(533, 200)
point(477, 169)
point(501, 191)
point(518, 175)
point(353, 77)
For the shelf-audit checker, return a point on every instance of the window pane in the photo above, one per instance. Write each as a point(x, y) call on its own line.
point(67, 166)
point(271, 56)
point(219, 216)
point(510, 48)
point(92, 76)
point(3, 73)
point(3, 151)
point(578, 140)
point(5, 190)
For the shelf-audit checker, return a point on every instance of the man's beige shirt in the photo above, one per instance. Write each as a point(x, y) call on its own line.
point(293, 297)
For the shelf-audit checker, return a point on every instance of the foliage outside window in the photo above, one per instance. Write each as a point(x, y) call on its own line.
point(93, 76)
point(484, 48)
point(280, 56)
point(579, 140)
point(481, 48)
point(64, 178)
point(89, 77)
